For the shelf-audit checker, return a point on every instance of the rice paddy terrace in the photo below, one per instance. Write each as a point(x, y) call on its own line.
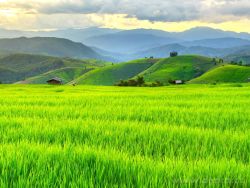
point(89, 136)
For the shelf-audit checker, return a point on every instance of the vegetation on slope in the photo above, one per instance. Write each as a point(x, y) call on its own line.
point(240, 59)
point(193, 136)
point(178, 68)
point(17, 67)
point(66, 74)
point(48, 46)
point(112, 74)
point(223, 74)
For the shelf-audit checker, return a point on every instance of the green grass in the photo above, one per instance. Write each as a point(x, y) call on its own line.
point(178, 68)
point(112, 74)
point(66, 74)
point(87, 136)
point(224, 74)
point(19, 67)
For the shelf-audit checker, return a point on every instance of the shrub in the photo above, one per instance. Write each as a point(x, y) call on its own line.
point(139, 82)
point(173, 54)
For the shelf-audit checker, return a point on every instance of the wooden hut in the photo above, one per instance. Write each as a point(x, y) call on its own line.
point(55, 81)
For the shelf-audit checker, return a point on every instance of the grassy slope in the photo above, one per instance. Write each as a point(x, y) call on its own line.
point(24, 66)
point(48, 46)
point(181, 67)
point(66, 74)
point(228, 73)
point(112, 74)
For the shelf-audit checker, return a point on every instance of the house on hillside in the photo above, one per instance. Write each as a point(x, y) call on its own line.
point(178, 82)
point(55, 81)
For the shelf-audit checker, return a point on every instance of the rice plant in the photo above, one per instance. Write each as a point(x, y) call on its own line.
point(87, 136)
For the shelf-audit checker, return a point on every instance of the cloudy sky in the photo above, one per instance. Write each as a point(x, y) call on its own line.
point(170, 15)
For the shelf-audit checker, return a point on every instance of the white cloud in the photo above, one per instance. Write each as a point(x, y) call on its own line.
point(153, 10)
point(68, 11)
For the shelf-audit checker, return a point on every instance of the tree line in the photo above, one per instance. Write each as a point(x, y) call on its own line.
point(138, 82)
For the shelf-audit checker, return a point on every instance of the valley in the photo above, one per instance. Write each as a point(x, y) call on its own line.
point(124, 94)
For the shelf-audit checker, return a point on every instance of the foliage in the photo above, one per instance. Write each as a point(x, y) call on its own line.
point(64, 136)
point(19, 67)
point(240, 63)
point(178, 68)
point(173, 54)
point(138, 82)
point(225, 74)
point(111, 75)
point(66, 74)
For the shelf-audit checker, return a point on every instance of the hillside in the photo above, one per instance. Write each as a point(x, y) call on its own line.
point(164, 51)
point(19, 67)
point(49, 46)
point(178, 68)
point(242, 54)
point(114, 73)
point(225, 74)
point(66, 74)
point(245, 59)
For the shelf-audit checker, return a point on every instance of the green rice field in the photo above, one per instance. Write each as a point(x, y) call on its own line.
point(93, 136)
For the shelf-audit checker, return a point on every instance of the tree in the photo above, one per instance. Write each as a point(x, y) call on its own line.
point(122, 83)
point(140, 80)
point(173, 54)
point(171, 81)
point(132, 82)
point(221, 61)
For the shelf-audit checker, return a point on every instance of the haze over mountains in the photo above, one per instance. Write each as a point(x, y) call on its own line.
point(122, 45)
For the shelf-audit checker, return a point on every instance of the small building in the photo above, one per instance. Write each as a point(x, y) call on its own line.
point(55, 81)
point(177, 82)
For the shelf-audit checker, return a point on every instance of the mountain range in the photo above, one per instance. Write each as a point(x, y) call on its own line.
point(123, 45)
point(50, 46)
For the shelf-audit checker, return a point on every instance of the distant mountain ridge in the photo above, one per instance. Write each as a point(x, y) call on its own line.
point(164, 51)
point(76, 35)
point(220, 43)
point(49, 46)
point(126, 42)
point(123, 45)
point(199, 41)
point(79, 35)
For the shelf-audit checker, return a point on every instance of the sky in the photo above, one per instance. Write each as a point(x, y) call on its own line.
point(169, 15)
